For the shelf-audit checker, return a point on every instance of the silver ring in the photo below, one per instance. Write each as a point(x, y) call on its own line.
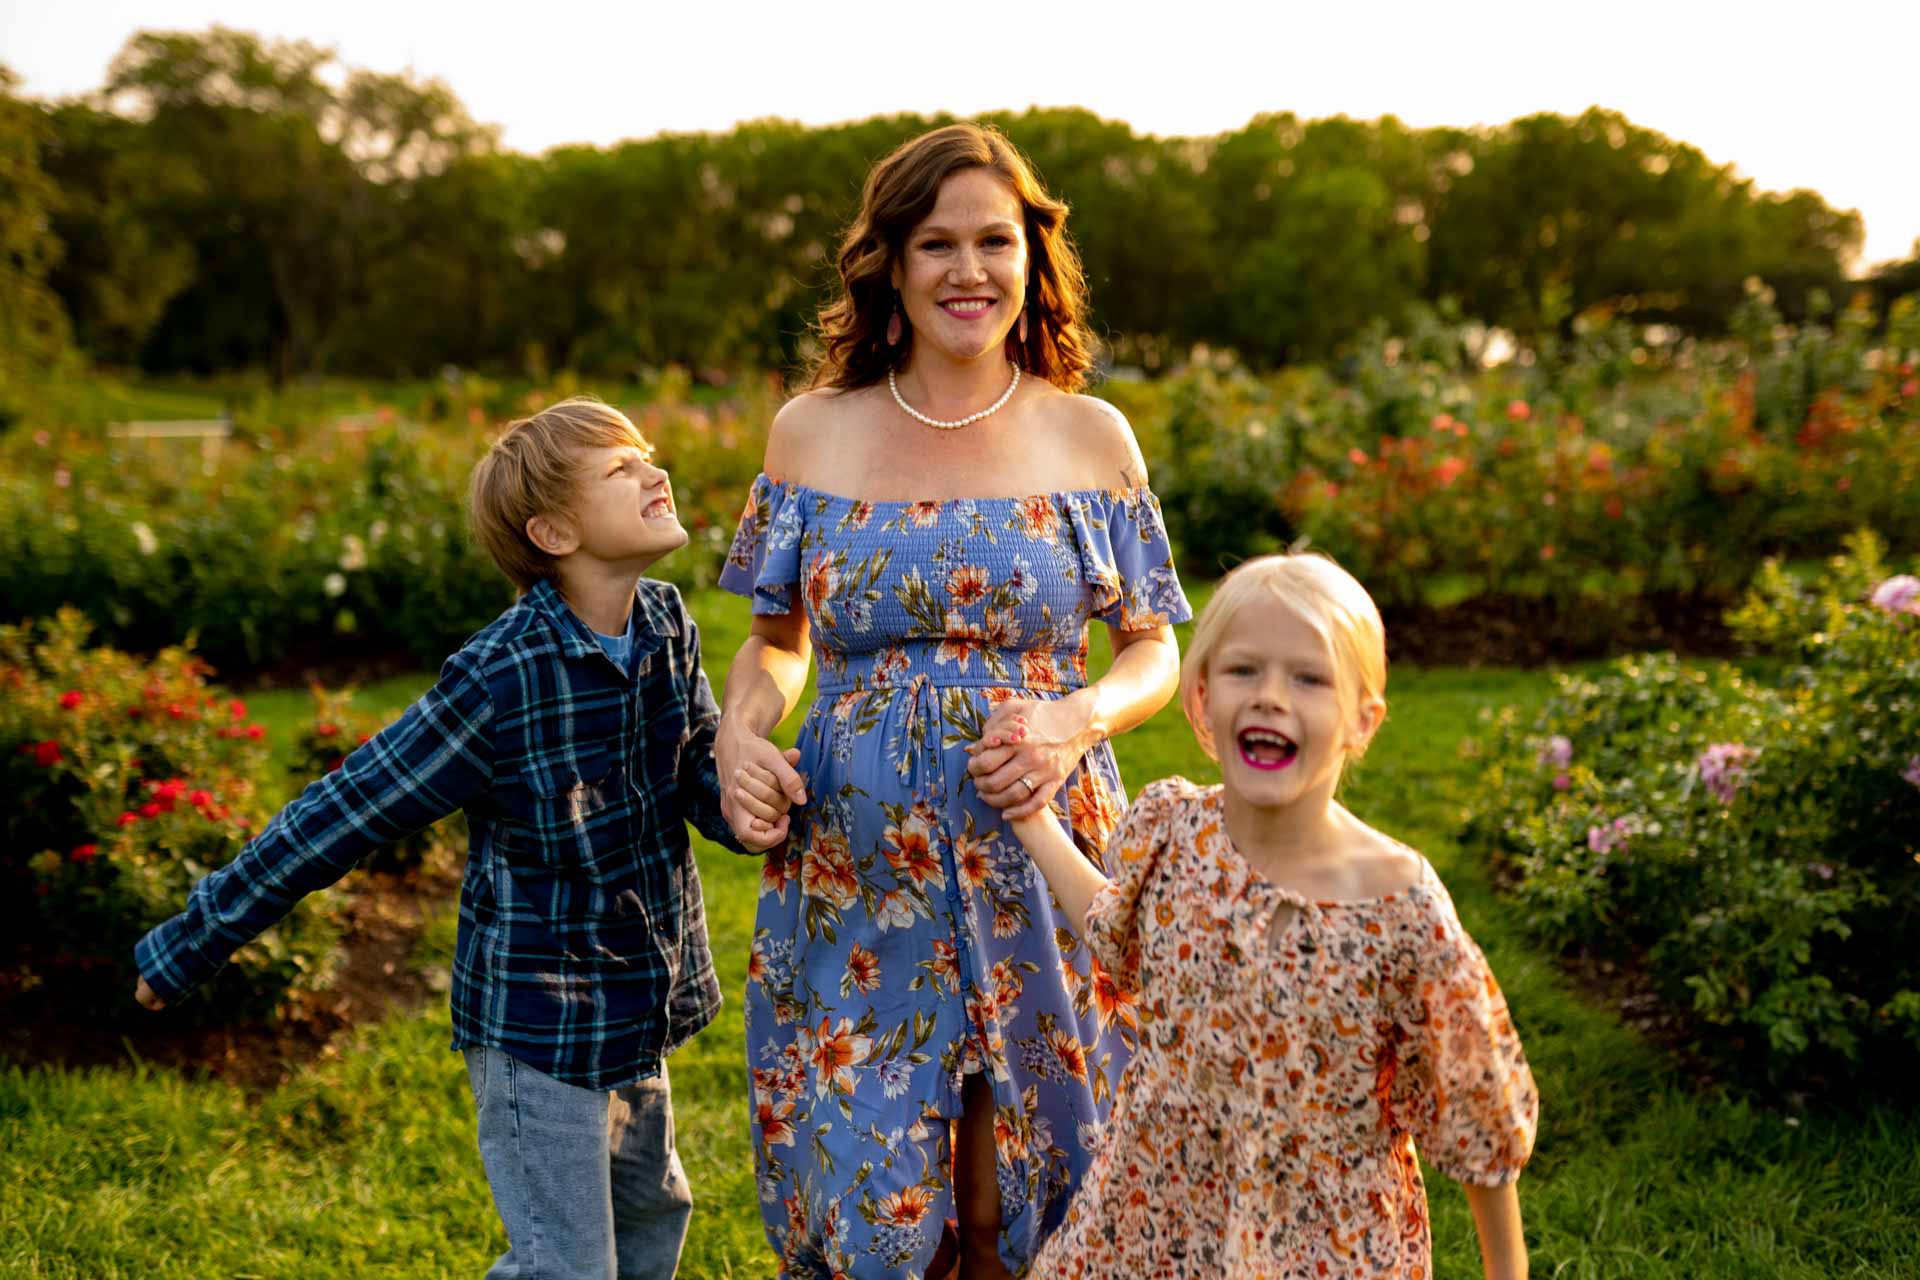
point(1029, 784)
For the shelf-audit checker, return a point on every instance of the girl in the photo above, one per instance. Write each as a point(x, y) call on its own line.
point(1310, 1006)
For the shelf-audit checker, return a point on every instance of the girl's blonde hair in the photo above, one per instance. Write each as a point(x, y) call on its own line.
point(1332, 602)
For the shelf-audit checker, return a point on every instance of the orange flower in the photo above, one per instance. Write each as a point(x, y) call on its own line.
point(1038, 518)
point(905, 1207)
point(1072, 1055)
point(826, 869)
point(776, 1129)
point(971, 861)
point(909, 848)
point(1111, 1004)
point(924, 514)
point(836, 1052)
point(967, 584)
point(821, 582)
point(863, 969)
point(776, 873)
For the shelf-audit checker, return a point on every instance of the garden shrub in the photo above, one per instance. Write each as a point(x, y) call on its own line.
point(126, 782)
point(1753, 842)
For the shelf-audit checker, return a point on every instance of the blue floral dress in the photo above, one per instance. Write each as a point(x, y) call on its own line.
point(903, 939)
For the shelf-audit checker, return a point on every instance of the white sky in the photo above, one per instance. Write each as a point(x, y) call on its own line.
point(1795, 94)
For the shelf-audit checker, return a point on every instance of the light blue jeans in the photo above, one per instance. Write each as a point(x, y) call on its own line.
point(587, 1181)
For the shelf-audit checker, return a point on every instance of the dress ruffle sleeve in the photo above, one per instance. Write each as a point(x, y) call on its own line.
point(1134, 857)
point(764, 560)
point(1461, 1085)
point(1127, 559)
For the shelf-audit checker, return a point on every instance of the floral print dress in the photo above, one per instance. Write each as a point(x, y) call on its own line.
point(1289, 1063)
point(903, 939)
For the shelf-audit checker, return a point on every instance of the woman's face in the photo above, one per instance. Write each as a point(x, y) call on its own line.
point(962, 274)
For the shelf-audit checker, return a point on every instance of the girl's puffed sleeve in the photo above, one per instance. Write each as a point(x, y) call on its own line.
point(1461, 1084)
point(764, 560)
point(1127, 559)
point(1135, 858)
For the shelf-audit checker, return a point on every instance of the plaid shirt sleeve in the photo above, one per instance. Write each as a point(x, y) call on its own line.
point(433, 760)
point(699, 776)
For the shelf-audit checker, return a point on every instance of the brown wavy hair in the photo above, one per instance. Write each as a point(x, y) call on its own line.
point(900, 194)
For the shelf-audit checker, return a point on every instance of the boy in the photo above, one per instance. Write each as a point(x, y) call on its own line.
point(576, 731)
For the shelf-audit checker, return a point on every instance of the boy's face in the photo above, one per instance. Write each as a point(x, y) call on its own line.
point(623, 512)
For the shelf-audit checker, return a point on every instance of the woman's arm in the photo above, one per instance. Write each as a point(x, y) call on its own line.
point(1496, 1216)
point(764, 681)
point(1020, 775)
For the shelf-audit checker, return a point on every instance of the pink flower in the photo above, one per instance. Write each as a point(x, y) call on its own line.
point(1558, 752)
point(1519, 410)
point(1612, 836)
point(1561, 782)
point(1723, 767)
point(1899, 594)
point(1912, 772)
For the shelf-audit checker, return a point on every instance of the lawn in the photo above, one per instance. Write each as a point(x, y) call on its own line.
point(365, 1165)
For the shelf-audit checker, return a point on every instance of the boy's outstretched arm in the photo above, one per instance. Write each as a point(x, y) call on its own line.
point(1072, 878)
point(436, 758)
point(1496, 1217)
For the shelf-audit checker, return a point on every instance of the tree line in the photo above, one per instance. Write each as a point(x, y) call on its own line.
point(228, 201)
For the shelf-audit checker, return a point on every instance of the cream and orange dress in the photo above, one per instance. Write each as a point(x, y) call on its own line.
point(1289, 1065)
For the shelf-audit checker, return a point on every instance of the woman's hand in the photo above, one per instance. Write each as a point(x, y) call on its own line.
point(1027, 749)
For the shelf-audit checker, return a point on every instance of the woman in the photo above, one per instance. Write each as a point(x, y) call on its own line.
point(938, 518)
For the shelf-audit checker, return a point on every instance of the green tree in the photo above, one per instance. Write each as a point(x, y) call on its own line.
point(34, 339)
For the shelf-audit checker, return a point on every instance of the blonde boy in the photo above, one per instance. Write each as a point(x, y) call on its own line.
point(576, 732)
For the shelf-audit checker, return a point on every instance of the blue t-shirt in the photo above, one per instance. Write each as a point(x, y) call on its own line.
point(620, 647)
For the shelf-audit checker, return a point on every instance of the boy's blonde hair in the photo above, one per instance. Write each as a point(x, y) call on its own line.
point(1332, 602)
point(532, 470)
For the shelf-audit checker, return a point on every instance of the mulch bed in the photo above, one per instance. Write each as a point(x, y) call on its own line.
point(382, 917)
point(1508, 631)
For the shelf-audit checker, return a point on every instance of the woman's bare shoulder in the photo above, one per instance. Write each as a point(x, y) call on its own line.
point(1100, 439)
point(804, 428)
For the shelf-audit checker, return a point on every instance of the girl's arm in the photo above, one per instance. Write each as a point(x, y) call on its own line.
point(1021, 776)
point(1072, 878)
point(1496, 1217)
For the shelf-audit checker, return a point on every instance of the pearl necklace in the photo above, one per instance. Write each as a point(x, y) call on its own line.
point(957, 423)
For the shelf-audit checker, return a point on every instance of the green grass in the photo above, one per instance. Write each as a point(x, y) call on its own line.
point(365, 1164)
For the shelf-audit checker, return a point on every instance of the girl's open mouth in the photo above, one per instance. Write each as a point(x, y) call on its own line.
point(1267, 749)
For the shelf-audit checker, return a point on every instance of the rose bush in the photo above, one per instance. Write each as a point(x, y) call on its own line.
point(334, 732)
point(1753, 842)
point(126, 782)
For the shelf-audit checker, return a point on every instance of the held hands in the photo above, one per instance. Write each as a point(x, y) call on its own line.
point(1025, 752)
point(758, 786)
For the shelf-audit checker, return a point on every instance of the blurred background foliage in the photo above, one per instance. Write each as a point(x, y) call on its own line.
point(226, 201)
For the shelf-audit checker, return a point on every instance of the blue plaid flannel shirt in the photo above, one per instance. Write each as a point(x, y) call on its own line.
point(582, 946)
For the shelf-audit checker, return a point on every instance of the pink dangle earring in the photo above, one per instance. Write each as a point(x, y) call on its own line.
point(893, 324)
point(1022, 326)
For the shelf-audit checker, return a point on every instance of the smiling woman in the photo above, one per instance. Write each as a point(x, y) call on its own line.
point(932, 1053)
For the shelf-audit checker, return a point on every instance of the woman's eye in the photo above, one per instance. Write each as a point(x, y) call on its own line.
point(932, 245)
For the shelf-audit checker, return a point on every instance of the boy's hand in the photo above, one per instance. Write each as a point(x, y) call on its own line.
point(145, 995)
point(756, 800)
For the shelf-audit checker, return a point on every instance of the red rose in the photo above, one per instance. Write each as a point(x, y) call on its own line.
point(70, 699)
point(85, 853)
point(326, 729)
point(151, 810)
point(46, 754)
point(126, 819)
point(238, 709)
point(256, 731)
point(200, 799)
